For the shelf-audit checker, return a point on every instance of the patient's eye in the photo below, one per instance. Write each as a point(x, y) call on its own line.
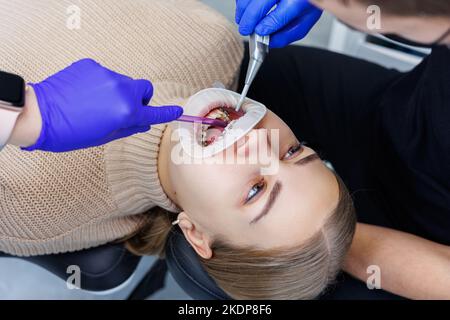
point(293, 151)
point(255, 190)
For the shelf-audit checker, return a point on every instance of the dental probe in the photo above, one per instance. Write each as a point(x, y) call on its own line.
point(208, 121)
point(259, 48)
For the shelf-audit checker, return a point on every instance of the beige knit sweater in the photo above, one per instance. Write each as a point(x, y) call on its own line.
point(53, 203)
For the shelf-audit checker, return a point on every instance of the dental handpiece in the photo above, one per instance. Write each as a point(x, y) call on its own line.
point(259, 48)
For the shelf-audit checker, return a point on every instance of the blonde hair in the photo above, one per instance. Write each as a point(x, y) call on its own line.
point(299, 272)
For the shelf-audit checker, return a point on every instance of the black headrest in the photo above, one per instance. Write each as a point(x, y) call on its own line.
point(186, 269)
point(102, 268)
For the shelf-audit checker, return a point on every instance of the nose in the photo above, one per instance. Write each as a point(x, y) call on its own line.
point(259, 142)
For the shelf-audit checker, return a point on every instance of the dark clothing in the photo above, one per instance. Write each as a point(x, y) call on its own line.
point(386, 133)
point(412, 149)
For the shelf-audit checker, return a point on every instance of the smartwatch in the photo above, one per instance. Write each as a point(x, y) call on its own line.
point(12, 102)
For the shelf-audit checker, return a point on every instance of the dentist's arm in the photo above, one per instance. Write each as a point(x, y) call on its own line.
point(411, 267)
point(86, 105)
point(290, 21)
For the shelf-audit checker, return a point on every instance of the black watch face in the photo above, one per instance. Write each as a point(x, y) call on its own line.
point(12, 90)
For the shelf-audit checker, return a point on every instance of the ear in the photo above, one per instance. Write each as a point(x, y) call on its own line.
point(196, 237)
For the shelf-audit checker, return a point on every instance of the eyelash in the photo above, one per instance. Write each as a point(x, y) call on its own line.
point(262, 184)
point(298, 148)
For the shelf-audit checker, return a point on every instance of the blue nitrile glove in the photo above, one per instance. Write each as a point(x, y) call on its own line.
point(289, 22)
point(87, 105)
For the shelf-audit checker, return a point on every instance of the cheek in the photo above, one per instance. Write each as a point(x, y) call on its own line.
point(199, 187)
point(354, 15)
point(331, 6)
point(210, 195)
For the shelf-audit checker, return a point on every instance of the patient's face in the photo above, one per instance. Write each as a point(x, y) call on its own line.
point(420, 28)
point(243, 205)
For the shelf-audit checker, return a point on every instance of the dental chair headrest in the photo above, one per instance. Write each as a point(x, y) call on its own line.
point(186, 269)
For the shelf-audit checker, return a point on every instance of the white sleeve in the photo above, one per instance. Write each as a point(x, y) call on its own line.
point(7, 122)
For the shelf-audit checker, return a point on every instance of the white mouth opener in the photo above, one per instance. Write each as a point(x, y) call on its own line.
point(190, 134)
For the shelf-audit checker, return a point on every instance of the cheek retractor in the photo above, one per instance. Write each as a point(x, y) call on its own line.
point(219, 104)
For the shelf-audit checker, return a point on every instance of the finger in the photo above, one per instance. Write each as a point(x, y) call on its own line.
point(279, 18)
point(154, 115)
point(144, 90)
point(86, 63)
point(295, 31)
point(255, 12)
point(241, 5)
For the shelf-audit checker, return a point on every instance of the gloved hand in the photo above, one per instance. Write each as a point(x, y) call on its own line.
point(290, 21)
point(87, 105)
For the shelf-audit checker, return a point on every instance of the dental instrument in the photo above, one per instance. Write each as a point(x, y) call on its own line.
point(259, 48)
point(201, 120)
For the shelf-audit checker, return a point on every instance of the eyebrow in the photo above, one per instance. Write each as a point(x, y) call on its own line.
point(272, 199)
point(277, 188)
point(308, 159)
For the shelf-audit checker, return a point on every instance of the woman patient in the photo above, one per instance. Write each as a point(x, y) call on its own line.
point(282, 236)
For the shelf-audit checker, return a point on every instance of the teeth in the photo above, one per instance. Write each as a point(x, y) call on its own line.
point(219, 113)
point(208, 136)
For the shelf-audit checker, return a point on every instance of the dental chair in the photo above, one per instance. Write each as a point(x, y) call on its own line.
point(104, 270)
point(111, 267)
